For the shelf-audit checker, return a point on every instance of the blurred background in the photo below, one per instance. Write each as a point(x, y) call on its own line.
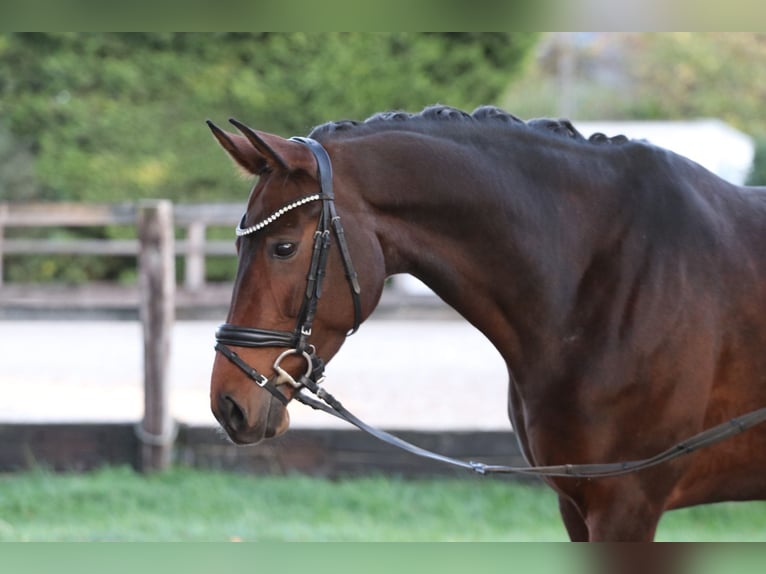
point(92, 117)
point(92, 124)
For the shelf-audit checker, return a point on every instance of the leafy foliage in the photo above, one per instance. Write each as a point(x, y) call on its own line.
point(120, 116)
point(17, 178)
point(650, 76)
point(757, 174)
point(685, 75)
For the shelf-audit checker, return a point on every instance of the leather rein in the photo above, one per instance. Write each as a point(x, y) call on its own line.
point(297, 343)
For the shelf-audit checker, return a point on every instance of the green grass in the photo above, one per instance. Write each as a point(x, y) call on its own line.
point(116, 504)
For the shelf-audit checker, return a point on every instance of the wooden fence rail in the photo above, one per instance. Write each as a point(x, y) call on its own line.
point(155, 249)
point(193, 218)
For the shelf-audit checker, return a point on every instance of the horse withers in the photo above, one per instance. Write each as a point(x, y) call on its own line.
point(624, 285)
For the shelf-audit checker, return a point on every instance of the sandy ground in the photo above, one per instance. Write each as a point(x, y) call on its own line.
point(397, 374)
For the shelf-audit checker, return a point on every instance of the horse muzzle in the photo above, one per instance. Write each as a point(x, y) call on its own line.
point(250, 419)
point(246, 413)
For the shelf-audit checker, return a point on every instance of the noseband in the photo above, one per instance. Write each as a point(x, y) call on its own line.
point(297, 341)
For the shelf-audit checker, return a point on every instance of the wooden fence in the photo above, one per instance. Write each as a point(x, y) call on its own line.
point(157, 441)
point(331, 453)
point(194, 219)
point(155, 249)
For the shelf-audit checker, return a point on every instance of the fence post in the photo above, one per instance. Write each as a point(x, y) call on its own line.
point(194, 278)
point(157, 309)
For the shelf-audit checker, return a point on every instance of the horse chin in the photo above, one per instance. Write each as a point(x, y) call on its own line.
point(278, 420)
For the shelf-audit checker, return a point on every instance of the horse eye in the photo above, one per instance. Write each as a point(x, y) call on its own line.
point(284, 249)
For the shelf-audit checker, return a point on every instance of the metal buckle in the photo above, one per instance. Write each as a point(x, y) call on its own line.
point(285, 377)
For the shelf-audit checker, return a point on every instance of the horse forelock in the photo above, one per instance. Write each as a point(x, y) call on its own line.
point(437, 115)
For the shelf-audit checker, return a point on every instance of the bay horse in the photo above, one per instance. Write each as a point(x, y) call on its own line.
point(624, 286)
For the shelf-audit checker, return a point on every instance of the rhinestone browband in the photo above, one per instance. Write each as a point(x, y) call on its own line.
point(274, 216)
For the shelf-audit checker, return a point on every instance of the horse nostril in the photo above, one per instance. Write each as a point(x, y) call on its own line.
point(233, 413)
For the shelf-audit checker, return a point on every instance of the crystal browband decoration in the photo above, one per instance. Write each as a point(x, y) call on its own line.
point(274, 216)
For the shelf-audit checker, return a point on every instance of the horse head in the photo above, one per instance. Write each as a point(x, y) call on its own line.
point(292, 251)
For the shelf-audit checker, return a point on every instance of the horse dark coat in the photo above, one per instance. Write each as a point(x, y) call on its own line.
point(624, 285)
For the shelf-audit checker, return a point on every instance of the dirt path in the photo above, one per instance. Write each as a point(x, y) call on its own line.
point(398, 374)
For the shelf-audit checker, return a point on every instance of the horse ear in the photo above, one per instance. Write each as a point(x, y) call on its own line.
point(239, 149)
point(257, 151)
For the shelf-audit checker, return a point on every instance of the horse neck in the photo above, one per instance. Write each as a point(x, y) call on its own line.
point(487, 233)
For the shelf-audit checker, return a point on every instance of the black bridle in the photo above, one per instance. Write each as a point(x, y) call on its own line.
point(297, 341)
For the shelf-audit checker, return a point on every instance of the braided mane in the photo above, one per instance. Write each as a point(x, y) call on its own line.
point(482, 114)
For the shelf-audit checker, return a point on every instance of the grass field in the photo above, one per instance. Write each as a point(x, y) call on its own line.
point(116, 504)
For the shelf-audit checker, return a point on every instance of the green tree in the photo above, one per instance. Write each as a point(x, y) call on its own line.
point(17, 178)
point(118, 117)
point(683, 75)
point(757, 174)
point(676, 75)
